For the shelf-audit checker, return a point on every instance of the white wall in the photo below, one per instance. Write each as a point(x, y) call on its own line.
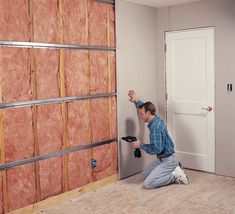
point(136, 69)
point(141, 66)
point(221, 14)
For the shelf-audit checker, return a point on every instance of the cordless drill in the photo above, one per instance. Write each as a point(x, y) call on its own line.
point(130, 139)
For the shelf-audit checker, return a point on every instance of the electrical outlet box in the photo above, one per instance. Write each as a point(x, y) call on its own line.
point(93, 163)
point(229, 87)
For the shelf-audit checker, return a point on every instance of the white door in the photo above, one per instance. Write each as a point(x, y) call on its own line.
point(190, 80)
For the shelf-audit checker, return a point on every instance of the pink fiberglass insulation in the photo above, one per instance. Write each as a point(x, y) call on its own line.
point(99, 120)
point(98, 23)
point(49, 128)
point(113, 71)
point(47, 73)
point(113, 117)
point(78, 169)
point(104, 158)
point(84, 22)
point(113, 133)
point(78, 123)
point(114, 146)
point(46, 21)
point(21, 186)
point(50, 177)
point(76, 73)
point(78, 134)
point(75, 25)
point(50, 135)
point(111, 26)
point(14, 20)
point(99, 72)
point(18, 134)
point(1, 194)
point(15, 74)
point(106, 155)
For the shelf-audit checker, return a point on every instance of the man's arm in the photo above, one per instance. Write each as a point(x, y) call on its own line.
point(134, 99)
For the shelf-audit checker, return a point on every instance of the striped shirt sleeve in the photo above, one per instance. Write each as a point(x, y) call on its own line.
point(139, 103)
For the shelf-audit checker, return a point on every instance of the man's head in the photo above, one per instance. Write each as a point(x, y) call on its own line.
point(147, 111)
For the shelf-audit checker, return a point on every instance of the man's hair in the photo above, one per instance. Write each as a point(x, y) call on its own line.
point(148, 106)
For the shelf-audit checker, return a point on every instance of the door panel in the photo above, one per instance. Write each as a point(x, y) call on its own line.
point(190, 90)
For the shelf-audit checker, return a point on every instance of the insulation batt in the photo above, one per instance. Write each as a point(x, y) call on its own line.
point(76, 73)
point(113, 133)
point(111, 26)
point(49, 121)
point(18, 134)
point(50, 177)
point(113, 118)
point(104, 158)
point(98, 72)
point(15, 85)
point(21, 186)
point(15, 77)
point(47, 73)
point(78, 169)
point(100, 119)
point(75, 22)
point(19, 145)
point(97, 14)
point(14, 20)
point(50, 135)
point(78, 134)
point(77, 84)
point(100, 131)
point(46, 21)
point(113, 71)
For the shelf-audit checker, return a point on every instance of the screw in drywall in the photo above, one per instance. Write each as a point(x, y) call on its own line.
point(93, 163)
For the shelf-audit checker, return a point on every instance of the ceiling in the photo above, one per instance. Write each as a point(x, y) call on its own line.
point(161, 3)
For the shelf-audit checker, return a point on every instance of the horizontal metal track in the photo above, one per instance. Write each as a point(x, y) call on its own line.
point(54, 154)
point(106, 1)
point(53, 100)
point(54, 46)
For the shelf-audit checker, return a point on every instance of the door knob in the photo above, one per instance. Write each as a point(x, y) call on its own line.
point(209, 108)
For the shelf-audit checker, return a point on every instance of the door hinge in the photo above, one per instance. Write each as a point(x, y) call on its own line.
point(165, 47)
point(166, 96)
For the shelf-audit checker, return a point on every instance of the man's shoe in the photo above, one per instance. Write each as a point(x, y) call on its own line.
point(180, 176)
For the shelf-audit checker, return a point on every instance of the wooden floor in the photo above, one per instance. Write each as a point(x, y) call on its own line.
point(206, 193)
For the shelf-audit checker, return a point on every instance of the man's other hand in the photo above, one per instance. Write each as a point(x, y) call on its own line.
point(136, 144)
point(133, 96)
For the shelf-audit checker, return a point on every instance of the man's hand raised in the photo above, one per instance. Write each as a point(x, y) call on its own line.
point(133, 96)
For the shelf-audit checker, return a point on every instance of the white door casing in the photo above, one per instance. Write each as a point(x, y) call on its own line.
point(190, 87)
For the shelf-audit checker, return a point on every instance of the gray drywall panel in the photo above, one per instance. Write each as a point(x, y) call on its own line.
point(137, 70)
point(221, 14)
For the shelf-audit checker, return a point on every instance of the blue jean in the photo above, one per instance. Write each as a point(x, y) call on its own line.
point(159, 172)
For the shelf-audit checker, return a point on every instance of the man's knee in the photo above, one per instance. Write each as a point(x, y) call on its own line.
point(147, 185)
point(145, 173)
point(151, 184)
